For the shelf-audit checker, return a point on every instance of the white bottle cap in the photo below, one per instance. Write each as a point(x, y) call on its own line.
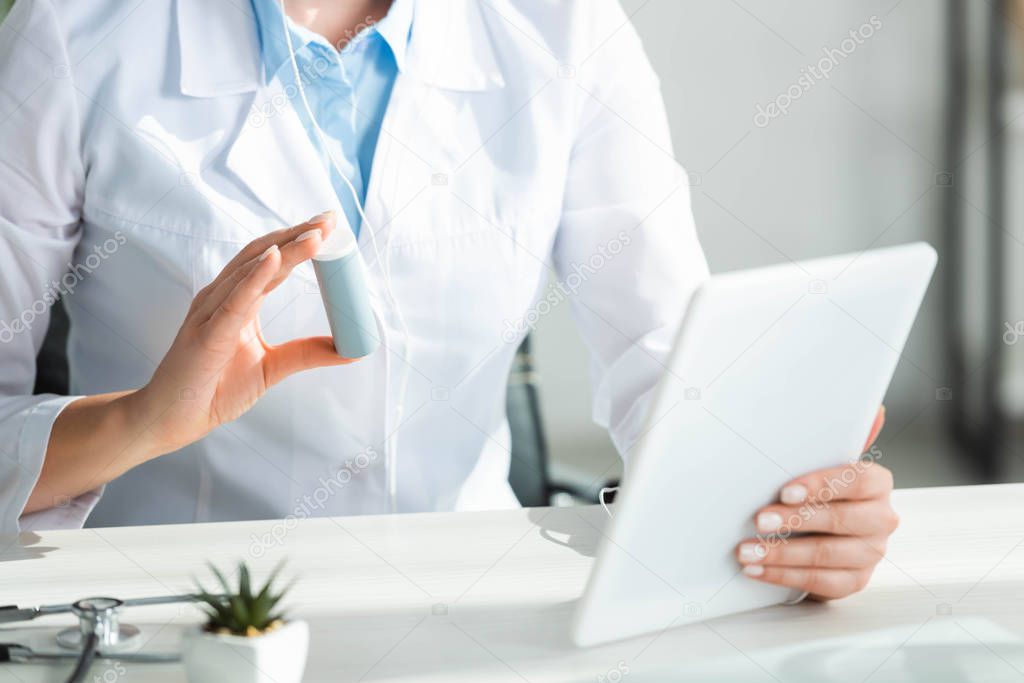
point(339, 243)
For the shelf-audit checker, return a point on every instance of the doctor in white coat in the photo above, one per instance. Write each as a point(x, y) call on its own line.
point(159, 180)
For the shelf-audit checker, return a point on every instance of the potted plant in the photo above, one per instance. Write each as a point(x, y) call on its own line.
point(245, 638)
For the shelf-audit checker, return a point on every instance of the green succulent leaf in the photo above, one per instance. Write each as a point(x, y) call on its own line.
point(220, 577)
point(244, 589)
point(239, 611)
point(270, 580)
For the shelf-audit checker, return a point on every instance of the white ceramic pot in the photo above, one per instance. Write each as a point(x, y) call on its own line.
point(277, 657)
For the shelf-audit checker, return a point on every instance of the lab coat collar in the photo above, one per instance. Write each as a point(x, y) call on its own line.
point(396, 27)
point(219, 48)
point(450, 47)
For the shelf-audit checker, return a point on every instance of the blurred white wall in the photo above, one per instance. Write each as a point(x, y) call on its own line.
point(852, 165)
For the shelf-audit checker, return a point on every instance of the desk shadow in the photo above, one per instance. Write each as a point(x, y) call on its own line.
point(577, 528)
point(15, 547)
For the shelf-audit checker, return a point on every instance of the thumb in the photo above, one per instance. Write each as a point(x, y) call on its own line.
point(297, 355)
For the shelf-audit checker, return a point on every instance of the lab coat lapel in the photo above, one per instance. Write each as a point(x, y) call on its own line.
point(273, 155)
point(450, 49)
point(396, 172)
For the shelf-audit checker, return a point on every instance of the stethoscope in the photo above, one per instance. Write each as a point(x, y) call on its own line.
point(382, 261)
point(99, 633)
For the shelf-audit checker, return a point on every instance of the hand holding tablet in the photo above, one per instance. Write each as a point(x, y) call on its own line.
point(845, 516)
point(774, 381)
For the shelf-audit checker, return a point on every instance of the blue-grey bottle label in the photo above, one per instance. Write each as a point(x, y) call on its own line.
point(346, 299)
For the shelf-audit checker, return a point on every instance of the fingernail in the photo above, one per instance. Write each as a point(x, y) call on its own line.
point(320, 218)
point(308, 235)
point(753, 570)
point(752, 552)
point(793, 494)
point(768, 522)
point(270, 250)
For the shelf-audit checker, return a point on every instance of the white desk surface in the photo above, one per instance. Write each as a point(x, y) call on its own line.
point(488, 596)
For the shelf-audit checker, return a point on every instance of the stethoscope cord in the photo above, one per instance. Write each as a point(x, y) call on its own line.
point(85, 659)
point(391, 434)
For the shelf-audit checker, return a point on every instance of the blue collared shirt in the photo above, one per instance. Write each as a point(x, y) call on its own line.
point(348, 91)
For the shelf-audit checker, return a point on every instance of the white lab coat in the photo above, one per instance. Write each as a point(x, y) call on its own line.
point(141, 149)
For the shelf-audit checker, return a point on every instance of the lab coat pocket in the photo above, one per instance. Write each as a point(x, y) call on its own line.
point(467, 275)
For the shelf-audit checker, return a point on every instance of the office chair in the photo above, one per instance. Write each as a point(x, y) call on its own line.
point(529, 472)
point(52, 361)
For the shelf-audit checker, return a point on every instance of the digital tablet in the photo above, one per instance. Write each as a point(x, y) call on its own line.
point(776, 372)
